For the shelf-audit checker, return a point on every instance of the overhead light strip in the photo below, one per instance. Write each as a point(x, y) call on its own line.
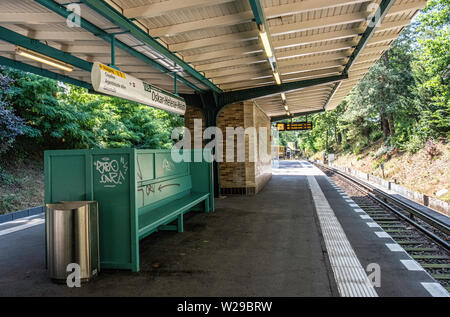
point(43, 59)
point(276, 75)
point(266, 43)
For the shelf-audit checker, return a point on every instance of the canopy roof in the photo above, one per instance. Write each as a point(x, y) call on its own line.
point(212, 45)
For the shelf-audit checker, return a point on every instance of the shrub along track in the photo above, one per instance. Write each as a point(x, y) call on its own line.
point(423, 237)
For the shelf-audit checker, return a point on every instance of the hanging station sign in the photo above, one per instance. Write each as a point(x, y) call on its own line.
point(294, 126)
point(115, 83)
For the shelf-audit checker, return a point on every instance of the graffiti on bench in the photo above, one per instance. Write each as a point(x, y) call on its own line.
point(112, 172)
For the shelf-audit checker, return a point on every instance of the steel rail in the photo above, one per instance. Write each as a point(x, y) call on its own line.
point(371, 192)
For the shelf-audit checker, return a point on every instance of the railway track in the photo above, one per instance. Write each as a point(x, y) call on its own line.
point(423, 237)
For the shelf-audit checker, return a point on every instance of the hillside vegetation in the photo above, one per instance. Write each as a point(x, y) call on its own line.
point(399, 113)
point(426, 171)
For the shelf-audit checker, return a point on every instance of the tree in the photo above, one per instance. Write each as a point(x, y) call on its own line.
point(10, 125)
point(432, 70)
point(403, 98)
point(60, 116)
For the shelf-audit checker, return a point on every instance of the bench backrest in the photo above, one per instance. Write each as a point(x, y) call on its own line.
point(160, 179)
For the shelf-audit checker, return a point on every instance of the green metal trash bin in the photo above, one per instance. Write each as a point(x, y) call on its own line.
point(72, 237)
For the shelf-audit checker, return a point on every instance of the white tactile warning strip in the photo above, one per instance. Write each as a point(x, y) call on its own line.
point(394, 247)
point(436, 289)
point(412, 265)
point(350, 276)
point(382, 234)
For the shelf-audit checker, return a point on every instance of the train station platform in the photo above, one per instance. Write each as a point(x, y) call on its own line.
point(299, 236)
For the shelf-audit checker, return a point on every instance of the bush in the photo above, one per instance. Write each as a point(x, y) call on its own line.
point(384, 150)
point(414, 144)
point(376, 135)
point(8, 202)
point(6, 178)
point(10, 127)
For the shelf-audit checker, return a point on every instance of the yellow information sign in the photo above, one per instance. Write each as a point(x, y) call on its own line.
point(112, 71)
point(280, 126)
point(294, 126)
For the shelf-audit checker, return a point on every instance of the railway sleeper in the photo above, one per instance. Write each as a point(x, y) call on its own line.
point(436, 266)
point(441, 276)
point(430, 257)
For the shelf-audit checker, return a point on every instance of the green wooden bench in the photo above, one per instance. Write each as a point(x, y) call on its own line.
point(139, 192)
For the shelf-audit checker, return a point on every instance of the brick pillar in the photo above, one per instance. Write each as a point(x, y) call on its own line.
point(244, 178)
point(191, 114)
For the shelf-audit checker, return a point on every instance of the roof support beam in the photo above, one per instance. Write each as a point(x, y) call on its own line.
point(118, 19)
point(250, 71)
point(286, 78)
point(251, 93)
point(333, 92)
point(34, 45)
point(57, 8)
point(295, 115)
point(383, 9)
point(43, 72)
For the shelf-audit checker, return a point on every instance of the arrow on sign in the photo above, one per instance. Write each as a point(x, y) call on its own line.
point(162, 186)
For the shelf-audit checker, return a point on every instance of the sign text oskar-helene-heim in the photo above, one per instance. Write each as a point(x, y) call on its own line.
point(163, 98)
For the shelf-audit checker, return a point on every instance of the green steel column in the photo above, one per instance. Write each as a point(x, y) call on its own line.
point(113, 51)
point(211, 114)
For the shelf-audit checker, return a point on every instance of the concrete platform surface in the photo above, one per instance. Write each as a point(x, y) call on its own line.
point(270, 244)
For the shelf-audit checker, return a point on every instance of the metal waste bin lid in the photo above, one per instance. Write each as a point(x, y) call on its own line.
point(69, 205)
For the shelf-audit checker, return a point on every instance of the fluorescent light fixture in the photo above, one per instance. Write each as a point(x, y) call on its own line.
point(43, 59)
point(283, 96)
point(266, 43)
point(277, 78)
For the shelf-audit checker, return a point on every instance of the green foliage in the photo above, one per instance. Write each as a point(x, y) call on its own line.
point(60, 116)
point(9, 201)
point(6, 178)
point(10, 125)
point(384, 150)
point(403, 99)
point(433, 70)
